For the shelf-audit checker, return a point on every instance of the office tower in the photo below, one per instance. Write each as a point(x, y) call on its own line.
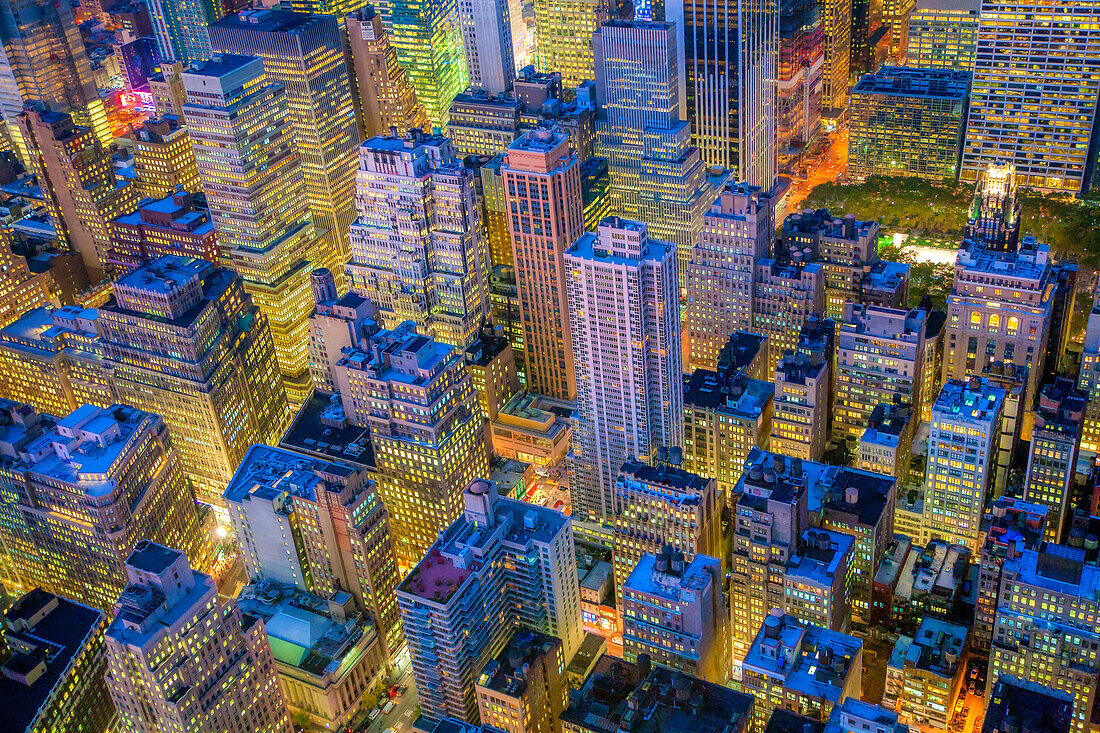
point(525, 688)
point(502, 564)
point(943, 35)
point(541, 231)
point(492, 33)
point(886, 443)
point(662, 506)
point(802, 50)
point(958, 477)
point(317, 525)
point(181, 28)
point(1038, 707)
point(994, 216)
point(261, 215)
point(384, 97)
point(925, 673)
point(895, 15)
point(737, 231)
point(999, 310)
point(172, 614)
point(492, 370)
point(800, 410)
point(595, 192)
point(838, 51)
point(505, 307)
point(1044, 629)
point(878, 360)
point(416, 398)
point(731, 54)
point(1088, 380)
point(417, 251)
point(45, 64)
point(163, 159)
point(21, 290)
point(623, 290)
point(79, 183)
point(657, 176)
point(171, 225)
point(108, 478)
point(489, 186)
point(330, 674)
point(337, 323)
point(305, 53)
point(777, 668)
point(169, 96)
point(1014, 526)
point(53, 666)
point(480, 123)
point(563, 37)
point(673, 611)
point(818, 582)
point(727, 412)
point(786, 294)
point(1052, 462)
point(427, 38)
point(908, 122)
point(1025, 112)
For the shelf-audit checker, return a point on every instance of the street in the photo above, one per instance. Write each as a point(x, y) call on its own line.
point(827, 167)
point(401, 718)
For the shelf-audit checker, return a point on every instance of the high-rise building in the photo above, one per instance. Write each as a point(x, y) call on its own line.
point(492, 34)
point(109, 479)
point(181, 28)
point(416, 398)
point(305, 53)
point(786, 294)
point(21, 290)
point(1042, 709)
point(170, 225)
point(427, 38)
point(838, 52)
point(908, 121)
point(730, 76)
point(502, 564)
point(920, 582)
point(1052, 462)
point(53, 666)
point(1088, 379)
point(855, 716)
point(1045, 630)
point(623, 291)
point(673, 610)
point(417, 250)
point(878, 359)
point(966, 420)
point(483, 124)
point(317, 525)
point(800, 410)
point(886, 444)
point(999, 310)
point(262, 214)
point(541, 231)
point(737, 231)
point(525, 688)
point(895, 16)
point(172, 626)
point(777, 668)
point(1024, 111)
point(924, 676)
point(994, 216)
point(662, 506)
point(563, 37)
point(493, 372)
point(530, 429)
point(384, 97)
point(78, 178)
point(337, 323)
point(489, 185)
point(163, 158)
point(657, 176)
point(802, 50)
point(943, 34)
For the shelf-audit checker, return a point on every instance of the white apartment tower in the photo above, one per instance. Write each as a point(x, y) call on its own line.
point(625, 317)
point(492, 35)
point(416, 248)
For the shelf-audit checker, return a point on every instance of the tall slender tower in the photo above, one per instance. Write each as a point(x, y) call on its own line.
point(838, 52)
point(489, 34)
point(253, 184)
point(180, 27)
point(625, 321)
point(542, 229)
point(563, 37)
point(305, 53)
point(731, 86)
point(426, 36)
point(384, 97)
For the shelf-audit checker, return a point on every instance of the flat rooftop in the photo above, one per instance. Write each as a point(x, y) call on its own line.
point(972, 400)
point(668, 584)
point(321, 429)
point(938, 647)
point(667, 482)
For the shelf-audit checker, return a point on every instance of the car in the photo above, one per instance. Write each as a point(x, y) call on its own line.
point(374, 713)
point(389, 706)
point(402, 689)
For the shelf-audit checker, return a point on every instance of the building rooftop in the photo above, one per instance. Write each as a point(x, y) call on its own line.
point(52, 630)
point(897, 550)
point(266, 472)
point(1057, 568)
point(820, 556)
point(971, 400)
point(861, 495)
point(787, 721)
point(1029, 264)
point(810, 660)
point(643, 698)
point(936, 568)
point(886, 424)
point(903, 81)
point(852, 716)
point(937, 648)
point(1018, 705)
point(665, 576)
point(669, 483)
point(505, 673)
point(1011, 522)
point(271, 21)
point(321, 429)
point(740, 351)
point(738, 396)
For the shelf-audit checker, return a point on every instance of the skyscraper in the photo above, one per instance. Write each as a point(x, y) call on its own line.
point(786, 294)
point(428, 41)
point(109, 479)
point(261, 214)
point(417, 250)
point(163, 158)
point(943, 35)
point(180, 27)
point(838, 50)
point(336, 323)
point(20, 289)
point(802, 49)
point(1038, 110)
point(1052, 462)
point(731, 53)
point(625, 325)
point(541, 231)
point(172, 225)
point(172, 627)
point(305, 53)
point(384, 97)
point(563, 37)
point(800, 411)
point(492, 31)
